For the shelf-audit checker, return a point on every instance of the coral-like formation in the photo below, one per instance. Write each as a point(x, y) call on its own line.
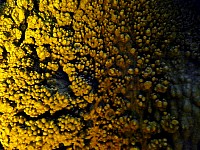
point(86, 74)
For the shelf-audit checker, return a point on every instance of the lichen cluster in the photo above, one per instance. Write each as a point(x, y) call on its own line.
point(85, 74)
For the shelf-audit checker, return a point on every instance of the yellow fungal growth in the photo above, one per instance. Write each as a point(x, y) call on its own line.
point(5, 107)
point(42, 53)
point(147, 85)
point(63, 19)
point(1, 53)
point(18, 15)
point(85, 74)
point(27, 4)
point(17, 33)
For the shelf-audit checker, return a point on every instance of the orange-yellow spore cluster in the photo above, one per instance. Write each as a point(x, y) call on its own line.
point(85, 74)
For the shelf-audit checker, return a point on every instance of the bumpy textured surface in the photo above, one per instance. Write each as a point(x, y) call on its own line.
point(184, 76)
point(90, 74)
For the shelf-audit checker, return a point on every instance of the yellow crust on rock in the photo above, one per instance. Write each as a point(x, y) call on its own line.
point(85, 74)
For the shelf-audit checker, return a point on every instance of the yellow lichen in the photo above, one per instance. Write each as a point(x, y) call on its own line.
point(85, 74)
